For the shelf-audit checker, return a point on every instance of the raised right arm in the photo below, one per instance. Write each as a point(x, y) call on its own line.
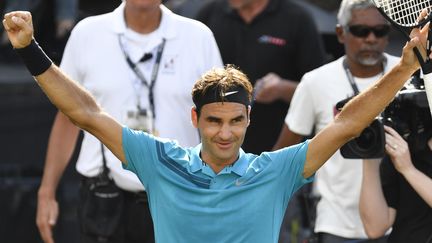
point(68, 96)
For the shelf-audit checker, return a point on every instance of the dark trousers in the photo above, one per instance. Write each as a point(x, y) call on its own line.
point(329, 238)
point(135, 226)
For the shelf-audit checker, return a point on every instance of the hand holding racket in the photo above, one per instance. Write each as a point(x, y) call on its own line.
point(413, 16)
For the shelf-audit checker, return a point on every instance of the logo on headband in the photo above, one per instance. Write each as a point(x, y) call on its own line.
point(229, 93)
point(214, 94)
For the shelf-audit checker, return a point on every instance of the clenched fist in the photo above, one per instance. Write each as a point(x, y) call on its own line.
point(19, 28)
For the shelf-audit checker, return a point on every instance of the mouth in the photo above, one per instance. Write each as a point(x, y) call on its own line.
point(370, 52)
point(224, 145)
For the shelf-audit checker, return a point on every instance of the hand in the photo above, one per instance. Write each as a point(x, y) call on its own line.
point(418, 39)
point(19, 28)
point(398, 150)
point(46, 217)
point(267, 88)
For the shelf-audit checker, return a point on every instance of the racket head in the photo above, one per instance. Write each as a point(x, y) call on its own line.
point(404, 13)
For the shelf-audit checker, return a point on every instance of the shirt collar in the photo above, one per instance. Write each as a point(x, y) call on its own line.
point(168, 29)
point(272, 6)
point(239, 167)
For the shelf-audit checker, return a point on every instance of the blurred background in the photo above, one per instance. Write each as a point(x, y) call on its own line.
point(26, 115)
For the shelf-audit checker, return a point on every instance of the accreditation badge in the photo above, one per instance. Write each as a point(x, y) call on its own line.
point(140, 119)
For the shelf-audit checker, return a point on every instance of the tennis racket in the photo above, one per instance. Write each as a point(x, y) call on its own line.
point(402, 14)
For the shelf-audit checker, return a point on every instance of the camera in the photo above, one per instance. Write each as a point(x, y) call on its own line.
point(408, 114)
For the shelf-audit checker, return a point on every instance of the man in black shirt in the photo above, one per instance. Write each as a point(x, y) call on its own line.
point(274, 42)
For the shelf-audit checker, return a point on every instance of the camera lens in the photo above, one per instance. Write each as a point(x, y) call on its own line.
point(370, 143)
point(367, 139)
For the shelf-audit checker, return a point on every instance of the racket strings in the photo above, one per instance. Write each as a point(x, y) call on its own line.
point(404, 12)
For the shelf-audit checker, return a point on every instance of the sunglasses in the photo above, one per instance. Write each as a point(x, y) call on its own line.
point(364, 31)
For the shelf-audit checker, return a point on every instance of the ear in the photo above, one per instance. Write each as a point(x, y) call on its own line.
point(340, 33)
point(248, 113)
point(194, 117)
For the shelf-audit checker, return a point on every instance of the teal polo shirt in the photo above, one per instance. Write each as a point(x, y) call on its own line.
point(245, 202)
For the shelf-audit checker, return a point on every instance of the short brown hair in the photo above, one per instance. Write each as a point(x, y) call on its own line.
point(222, 80)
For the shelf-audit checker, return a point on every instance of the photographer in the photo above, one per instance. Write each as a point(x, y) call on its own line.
point(402, 198)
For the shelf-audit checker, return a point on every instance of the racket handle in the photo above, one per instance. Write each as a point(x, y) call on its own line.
point(427, 78)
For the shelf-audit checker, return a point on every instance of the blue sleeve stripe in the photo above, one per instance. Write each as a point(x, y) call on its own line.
point(178, 169)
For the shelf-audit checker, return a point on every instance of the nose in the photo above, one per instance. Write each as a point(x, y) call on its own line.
point(371, 37)
point(225, 132)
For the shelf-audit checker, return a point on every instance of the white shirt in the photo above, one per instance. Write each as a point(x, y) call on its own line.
point(339, 180)
point(94, 58)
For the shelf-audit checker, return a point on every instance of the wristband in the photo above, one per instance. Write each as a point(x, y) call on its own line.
point(34, 58)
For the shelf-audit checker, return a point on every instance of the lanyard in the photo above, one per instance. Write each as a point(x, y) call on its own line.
point(139, 74)
point(351, 78)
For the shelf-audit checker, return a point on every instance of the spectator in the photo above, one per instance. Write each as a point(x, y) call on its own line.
point(396, 193)
point(137, 62)
point(364, 33)
point(187, 8)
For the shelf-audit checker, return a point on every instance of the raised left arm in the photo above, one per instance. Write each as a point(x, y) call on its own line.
point(68, 96)
point(361, 110)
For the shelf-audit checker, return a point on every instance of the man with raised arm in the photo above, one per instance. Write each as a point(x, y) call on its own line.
point(213, 192)
point(137, 63)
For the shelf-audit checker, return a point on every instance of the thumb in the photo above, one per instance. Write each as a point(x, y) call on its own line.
point(413, 42)
point(52, 220)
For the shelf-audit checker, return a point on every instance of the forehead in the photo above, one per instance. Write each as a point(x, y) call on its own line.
point(369, 16)
point(225, 109)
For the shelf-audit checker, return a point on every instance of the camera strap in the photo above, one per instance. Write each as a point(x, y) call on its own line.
point(105, 170)
point(350, 77)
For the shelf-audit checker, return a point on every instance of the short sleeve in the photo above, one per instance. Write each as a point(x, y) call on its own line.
point(141, 151)
point(290, 162)
point(300, 118)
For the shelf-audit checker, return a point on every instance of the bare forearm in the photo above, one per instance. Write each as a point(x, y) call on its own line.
point(374, 210)
point(354, 117)
point(361, 111)
point(68, 96)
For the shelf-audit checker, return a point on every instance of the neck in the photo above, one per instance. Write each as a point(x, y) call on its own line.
point(143, 21)
point(251, 10)
point(217, 164)
point(365, 71)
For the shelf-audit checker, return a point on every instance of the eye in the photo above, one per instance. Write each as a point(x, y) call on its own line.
point(238, 119)
point(213, 120)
